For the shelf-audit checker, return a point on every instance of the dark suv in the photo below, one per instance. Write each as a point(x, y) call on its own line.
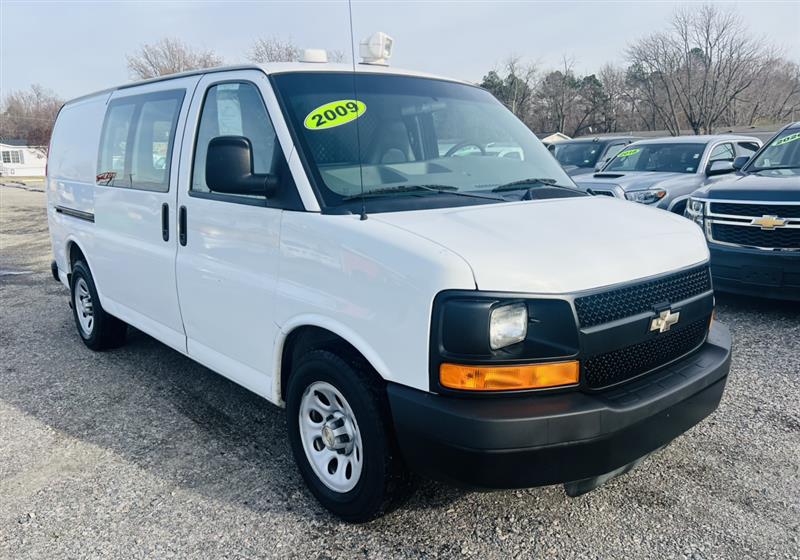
point(587, 155)
point(752, 221)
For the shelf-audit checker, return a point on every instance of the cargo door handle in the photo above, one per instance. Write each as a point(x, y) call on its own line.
point(165, 221)
point(182, 225)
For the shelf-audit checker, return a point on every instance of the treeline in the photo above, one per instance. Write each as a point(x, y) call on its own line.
point(703, 73)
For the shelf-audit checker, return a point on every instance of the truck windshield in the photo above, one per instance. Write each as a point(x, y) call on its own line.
point(781, 156)
point(402, 137)
point(580, 154)
point(665, 158)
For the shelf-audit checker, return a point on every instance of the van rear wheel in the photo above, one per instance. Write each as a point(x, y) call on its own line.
point(97, 329)
point(338, 422)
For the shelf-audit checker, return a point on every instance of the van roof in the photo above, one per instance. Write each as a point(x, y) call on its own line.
point(277, 68)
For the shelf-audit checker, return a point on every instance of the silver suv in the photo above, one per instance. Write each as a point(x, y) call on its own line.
point(663, 172)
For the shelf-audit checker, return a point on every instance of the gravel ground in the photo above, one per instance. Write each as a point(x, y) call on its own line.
point(140, 452)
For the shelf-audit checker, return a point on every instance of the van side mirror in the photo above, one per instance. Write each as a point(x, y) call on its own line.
point(740, 162)
point(229, 168)
point(719, 167)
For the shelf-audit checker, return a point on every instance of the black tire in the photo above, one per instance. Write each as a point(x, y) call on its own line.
point(384, 482)
point(106, 331)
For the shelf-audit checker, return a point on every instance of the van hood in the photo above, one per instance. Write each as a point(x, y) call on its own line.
point(637, 180)
point(560, 245)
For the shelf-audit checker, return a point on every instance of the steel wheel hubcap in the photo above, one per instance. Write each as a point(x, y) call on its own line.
point(330, 436)
point(84, 307)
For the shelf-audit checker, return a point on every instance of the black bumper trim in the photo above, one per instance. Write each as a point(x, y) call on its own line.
point(537, 440)
point(754, 272)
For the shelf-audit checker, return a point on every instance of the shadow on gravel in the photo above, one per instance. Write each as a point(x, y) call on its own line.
point(162, 412)
point(763, 305)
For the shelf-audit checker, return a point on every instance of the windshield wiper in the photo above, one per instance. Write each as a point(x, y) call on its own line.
point(438, 189)
point(526, 184)
point(759, 169)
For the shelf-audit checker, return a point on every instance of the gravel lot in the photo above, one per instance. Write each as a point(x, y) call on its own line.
point(140, 452)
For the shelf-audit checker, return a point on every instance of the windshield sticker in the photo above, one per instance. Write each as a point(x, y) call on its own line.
point(335, 113)
point(787, 139)
point(630, 152)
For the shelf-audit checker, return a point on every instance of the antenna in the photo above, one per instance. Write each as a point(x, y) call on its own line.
point(355, 94)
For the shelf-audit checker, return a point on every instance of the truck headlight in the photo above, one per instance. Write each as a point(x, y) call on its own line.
point(650, 196)
point(508, 324)
point(695, 211)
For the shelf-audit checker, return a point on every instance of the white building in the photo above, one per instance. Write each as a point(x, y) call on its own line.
point(20, 160)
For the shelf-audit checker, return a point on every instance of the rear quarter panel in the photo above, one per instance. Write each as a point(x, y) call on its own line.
point(72, 164)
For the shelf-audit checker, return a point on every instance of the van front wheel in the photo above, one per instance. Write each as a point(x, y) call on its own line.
point(98, 329)
point(337, 419)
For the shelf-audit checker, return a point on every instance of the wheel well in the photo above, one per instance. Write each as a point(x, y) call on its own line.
point(74, 254)
point(680, 207)
point(308, 338)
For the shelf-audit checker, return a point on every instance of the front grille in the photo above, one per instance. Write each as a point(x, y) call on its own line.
point(620, 365)
point(619, 303)
point(756, 210)
point(748, 236)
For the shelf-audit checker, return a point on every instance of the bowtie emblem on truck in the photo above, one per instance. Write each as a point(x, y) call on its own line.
point(768, 222)
point(664, 321)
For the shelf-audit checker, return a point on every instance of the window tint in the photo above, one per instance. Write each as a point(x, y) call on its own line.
point(137, 141)
point(614, 150)
point(723, 152)
point(748, 148)
point(236, 109)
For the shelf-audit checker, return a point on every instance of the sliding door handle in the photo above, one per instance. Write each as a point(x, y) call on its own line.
point(165, 221)
point(182, 225)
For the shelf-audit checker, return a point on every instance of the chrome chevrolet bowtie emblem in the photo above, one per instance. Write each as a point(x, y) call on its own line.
point(768, 222)
point(664, 321)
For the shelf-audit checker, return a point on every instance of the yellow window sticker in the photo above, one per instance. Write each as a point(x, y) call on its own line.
point(335, 113)
point(787, 139)
point(630, 152)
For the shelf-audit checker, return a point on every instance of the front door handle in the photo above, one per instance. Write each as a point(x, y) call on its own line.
point(165, 221)
point(182, 225)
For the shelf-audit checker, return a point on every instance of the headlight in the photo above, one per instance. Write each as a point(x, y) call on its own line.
point(695, 210)
point(650, 196)
point(508, 325)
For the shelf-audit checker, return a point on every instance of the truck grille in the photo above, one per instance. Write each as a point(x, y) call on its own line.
point(620, 365)
point(756, 210)
point(780, 238)
point(619, 303)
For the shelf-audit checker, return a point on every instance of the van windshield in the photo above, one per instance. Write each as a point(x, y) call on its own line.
point(407, 137)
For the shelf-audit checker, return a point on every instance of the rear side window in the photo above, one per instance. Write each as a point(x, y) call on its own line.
point(137, 141)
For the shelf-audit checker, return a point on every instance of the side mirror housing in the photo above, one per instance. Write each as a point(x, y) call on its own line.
point(719, 167)
point(229, 168)
point(740, 162)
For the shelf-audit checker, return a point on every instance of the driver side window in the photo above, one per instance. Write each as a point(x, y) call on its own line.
point(235, 109)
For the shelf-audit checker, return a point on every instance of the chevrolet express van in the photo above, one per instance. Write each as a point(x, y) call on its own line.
point(351, 243)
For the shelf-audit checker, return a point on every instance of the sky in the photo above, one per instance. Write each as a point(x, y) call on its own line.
point(75, 47)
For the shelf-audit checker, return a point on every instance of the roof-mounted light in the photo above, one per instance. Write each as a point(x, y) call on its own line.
point(376, 49)
point(317, 56)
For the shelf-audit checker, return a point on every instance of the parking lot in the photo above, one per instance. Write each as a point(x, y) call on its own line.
point(140, 452)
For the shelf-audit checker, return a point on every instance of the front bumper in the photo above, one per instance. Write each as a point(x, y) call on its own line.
point(537, 440)
point(771, 274)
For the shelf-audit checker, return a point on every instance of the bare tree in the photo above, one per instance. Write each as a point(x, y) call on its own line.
point(30, 115)
point(169, 56)
point(699, 67)
point(273, 49)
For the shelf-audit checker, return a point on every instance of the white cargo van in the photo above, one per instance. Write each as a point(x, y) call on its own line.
point(398, 261)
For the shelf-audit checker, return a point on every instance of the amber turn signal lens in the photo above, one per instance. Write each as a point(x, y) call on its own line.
point(508, 378)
